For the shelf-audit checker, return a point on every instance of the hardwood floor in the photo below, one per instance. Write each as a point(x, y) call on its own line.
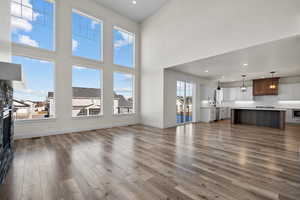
point(195, 161)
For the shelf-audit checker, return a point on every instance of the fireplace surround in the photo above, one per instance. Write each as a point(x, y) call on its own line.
point(6, 128)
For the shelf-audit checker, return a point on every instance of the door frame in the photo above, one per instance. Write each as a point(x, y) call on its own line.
point(184, 103)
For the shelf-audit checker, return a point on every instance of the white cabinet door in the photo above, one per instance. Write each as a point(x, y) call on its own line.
point(212, 114)
point(233, 94)
point(289, 116)
point(285, 92)
point(296, 91)
point(289, 91)
point(226, 94)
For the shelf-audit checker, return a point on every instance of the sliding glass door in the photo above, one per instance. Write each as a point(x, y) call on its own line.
point(184, 102)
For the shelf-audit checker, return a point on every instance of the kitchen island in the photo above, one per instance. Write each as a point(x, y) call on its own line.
point(269, 117)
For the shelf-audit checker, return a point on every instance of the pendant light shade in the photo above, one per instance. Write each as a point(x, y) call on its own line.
point(273, 86)
point(243, 87)
point(219, 87)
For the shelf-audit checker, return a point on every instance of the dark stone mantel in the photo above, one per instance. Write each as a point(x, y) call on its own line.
point(8, 72)
point(274, 118)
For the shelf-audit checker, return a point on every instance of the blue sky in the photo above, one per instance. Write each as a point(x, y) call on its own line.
point(35, 28)
point(86, 77)
point(38, 79)
point(123, 84)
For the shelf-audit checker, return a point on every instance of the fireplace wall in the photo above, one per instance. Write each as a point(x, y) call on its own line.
point(6, 128)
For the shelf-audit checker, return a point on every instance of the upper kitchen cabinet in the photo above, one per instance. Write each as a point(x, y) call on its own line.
point(261, 87)
point(289, 91)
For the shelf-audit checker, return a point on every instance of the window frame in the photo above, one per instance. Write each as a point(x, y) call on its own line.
point(101, 114)
point(133, 93)
point(115, 27)
point(101, 44)
point(54, 87)
point(53, 31)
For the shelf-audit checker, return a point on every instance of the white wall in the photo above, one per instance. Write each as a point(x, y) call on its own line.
point(5, 46)
point(63, 72)
point(183, 31)
point(170, 79)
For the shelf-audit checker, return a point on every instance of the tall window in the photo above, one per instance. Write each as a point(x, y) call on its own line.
point(87, 92)
point(123, 47)
point(32, 23)
point(123, 101)
point(87, 36)
point(34, 95)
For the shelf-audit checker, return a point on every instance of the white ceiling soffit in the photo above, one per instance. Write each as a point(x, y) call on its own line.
point(282, 56)
point(137, 12)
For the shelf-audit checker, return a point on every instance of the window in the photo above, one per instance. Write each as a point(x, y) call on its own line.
point(123, 47)
point(34, 95)
point(87, 92)
point(32, 23)
point(87, 36)
point(123, 100)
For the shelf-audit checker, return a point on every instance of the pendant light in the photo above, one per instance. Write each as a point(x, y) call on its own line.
point(273, 86)
point(243, 88)
point(219, 86)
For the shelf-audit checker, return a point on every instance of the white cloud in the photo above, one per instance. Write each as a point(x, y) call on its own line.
point(79, 68)
point(20, 24)
point(94, 23)
point(41, 93)
point(127, 39)
point(123, 90)
point(74, 44)
point(27, 11)
point(21, 19)
point(24, 39)
point(44, 61)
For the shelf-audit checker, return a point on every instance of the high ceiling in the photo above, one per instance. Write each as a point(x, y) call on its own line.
point(282, 56)
point(137, 12)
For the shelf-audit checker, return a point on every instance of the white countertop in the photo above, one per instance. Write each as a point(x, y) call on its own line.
point(253, 108)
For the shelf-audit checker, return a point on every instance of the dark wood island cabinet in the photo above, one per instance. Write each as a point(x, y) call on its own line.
point(274, 118)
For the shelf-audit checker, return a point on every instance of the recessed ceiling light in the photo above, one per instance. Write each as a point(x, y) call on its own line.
point(206, 71)
point(245, 64)
point(134, 2)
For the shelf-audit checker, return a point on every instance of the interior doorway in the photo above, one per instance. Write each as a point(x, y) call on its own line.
point(184, 102)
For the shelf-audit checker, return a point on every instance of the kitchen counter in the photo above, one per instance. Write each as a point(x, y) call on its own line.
point(269, 117)
point(254, 108)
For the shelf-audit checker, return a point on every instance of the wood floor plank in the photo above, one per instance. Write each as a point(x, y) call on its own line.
point(195, 161)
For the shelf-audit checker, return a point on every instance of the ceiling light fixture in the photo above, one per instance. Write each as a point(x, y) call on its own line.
point(273, 86)
point(219, 86)
point(245, 64)
point(243, 88)
point(206, 71)
point(134, 2)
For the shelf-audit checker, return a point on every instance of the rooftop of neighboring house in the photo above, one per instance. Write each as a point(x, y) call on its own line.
point(84, 93)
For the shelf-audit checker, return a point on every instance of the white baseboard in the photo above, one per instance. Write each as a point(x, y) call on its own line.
point(60, 132)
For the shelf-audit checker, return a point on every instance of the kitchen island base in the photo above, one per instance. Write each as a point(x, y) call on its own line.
point(274, 118)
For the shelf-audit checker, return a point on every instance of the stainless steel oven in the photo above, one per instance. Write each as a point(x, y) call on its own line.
point(296, 114)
